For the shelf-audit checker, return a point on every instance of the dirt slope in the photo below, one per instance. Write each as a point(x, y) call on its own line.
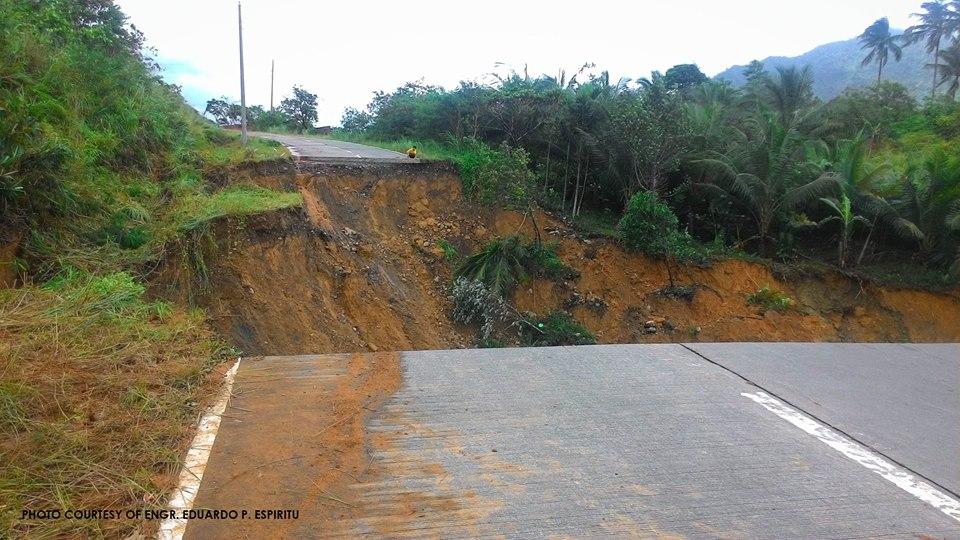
point(359, 268)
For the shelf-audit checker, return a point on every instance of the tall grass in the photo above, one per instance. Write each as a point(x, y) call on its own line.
point(99, 389)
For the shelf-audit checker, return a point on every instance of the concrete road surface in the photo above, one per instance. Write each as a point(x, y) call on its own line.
point(602, 441)
point(901, 400)
point(319, 149)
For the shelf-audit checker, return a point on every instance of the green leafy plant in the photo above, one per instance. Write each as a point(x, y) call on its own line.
point(543, 259)
point(843, 214)
point(649, 226)
point(507, 261)
point(557, 328)
point(500, 265)
point(770, 300)
point(450, 252)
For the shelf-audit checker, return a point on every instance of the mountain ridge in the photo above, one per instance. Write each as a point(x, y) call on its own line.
point(836, 66)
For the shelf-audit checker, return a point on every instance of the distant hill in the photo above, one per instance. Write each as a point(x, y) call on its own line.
point(836, 66)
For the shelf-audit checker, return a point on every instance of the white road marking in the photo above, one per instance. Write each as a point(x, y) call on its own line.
point(196, 461)
point(903, 479)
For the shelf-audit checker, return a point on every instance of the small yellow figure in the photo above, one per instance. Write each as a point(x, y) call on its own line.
point(412, 152)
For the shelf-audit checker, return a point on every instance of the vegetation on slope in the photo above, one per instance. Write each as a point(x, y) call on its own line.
point(102, 170)
point(765, 168)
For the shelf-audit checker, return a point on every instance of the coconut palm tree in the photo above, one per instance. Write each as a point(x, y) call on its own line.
point(790, 92)
point(948, 69)
point(765, 169)
point(936, 22)
point(860, 180)
point(843, 212)
point(930, 204)
point(881, 43)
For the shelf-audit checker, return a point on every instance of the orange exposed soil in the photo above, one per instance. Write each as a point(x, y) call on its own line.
point(285, 417)
point(296, 434)
point(360, 268)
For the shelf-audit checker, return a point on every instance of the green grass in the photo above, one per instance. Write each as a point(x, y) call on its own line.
point(225, 149)
point(450, 252)
point(100, 389)
point(196, 210)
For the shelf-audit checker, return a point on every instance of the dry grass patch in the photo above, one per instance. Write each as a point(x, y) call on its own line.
point(99, 388)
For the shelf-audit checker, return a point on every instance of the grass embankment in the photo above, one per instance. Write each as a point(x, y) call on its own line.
point(102, 172)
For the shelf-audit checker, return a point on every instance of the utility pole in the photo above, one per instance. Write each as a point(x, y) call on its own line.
point(243, 89)
point(271, 85)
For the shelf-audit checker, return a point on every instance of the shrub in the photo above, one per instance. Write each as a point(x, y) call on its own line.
point(474, 301)
point(499, 176)
point(649, 226)
point(769, 299)
point(557, 328)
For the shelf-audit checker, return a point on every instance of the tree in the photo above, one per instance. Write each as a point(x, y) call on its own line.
point(949, 70)
point(301, 109)
point(754, 72)
point(935, 24)
point(930, 204)
point(683, 77)
point(263, 120)
point(222, 111)
point(766, 171)
point(881, 43)
point(355, 121)
point(790, 93)
point(843, 212)
point(874, 109)
point(862, 182)
point(651, 131)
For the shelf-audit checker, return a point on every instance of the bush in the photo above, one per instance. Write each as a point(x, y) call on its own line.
point(557, 328)
point(649, 226)
point(769, 299)
point(495, 176)
point(474, 301)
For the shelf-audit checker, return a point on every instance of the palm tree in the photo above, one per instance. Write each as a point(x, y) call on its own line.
point(790, 92)
point(843, 212)
point(930, 204)
point(949, 69)
point(881, 43)
point(766, 171)
point(860, 180)
point(935, 24)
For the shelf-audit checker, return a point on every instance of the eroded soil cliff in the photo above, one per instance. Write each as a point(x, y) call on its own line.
point(360, 267)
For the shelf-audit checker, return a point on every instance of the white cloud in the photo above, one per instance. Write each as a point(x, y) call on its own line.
point(343, 51)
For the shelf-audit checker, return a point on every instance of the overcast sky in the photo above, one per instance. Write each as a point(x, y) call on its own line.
point(343, 51)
